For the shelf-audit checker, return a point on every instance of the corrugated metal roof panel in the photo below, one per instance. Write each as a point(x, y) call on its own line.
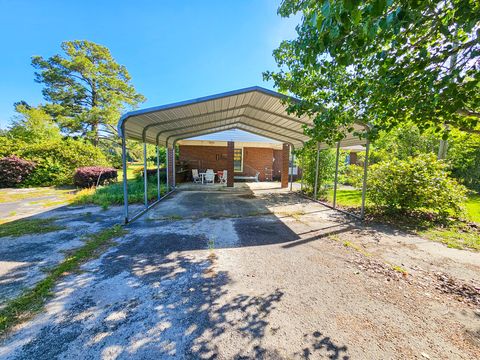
point(256, 110)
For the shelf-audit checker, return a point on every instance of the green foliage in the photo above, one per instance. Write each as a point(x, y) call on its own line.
point(86, 89)
point(352, 175)
point(307, 157)
point(464, 159)
point(113, 194)
point(33, 125)
point(57, 160)
point(382, 63)
point(403, 142)
point(417, 183)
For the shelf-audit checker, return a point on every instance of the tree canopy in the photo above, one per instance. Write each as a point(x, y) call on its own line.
point(32, 125)
point(382, 62)
point(86, 89)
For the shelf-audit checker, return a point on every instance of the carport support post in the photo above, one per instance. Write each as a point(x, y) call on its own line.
point(316, 173)
point(284, 170)
point(158, 172)
point(145, 178)
point(167, 170)
point(124, 168)
point(336, 176)
point(230, 165)
point(364, 186)
point(301, 179)
point(291, 169)
point(171, 167)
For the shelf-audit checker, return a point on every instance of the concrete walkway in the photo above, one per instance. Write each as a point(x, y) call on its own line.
point(253, 272)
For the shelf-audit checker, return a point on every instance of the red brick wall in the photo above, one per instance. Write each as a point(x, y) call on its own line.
point(257, 159)
point(277, 164)
point(204, 157)
point(215, 157)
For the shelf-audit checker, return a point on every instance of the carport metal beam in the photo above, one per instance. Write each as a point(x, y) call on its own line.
point(225, 127)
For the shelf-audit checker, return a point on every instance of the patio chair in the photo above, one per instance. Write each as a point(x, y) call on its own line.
point(223, 177)
point(209, 176)
point(195, 177)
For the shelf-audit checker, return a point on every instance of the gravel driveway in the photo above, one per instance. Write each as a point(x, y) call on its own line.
point(256, 273)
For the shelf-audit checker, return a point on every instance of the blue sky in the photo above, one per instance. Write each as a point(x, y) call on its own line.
point(174, 50)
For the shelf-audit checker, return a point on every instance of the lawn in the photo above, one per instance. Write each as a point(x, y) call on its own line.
point(346, 198)
point(473, 208)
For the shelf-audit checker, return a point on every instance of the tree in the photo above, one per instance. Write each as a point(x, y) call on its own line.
point(86, 90)
point(33, 125)
point(382, 62)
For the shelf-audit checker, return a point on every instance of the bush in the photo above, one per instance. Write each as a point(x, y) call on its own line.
point(89, 176)
point(151, 174)
point(13, 171)
point(416, 183)
point(57, 160)
point(353, 175)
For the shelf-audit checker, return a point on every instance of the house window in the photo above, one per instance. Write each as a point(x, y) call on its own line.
point(238, 160)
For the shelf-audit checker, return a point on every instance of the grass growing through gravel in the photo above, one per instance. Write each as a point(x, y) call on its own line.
point(456, 234)
point(33, 300)
point(21, 227)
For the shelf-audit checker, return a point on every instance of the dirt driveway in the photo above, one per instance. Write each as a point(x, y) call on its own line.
point(259, 273)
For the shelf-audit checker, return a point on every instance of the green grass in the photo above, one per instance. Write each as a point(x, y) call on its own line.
point(113, 194)
point(346, 198)
point(473, 208)
point(457, 237)
point(33, 300)
point(21, 227)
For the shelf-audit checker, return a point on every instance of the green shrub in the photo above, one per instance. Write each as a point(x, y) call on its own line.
point(416, 183)
point(352, 175)
point(57, 160)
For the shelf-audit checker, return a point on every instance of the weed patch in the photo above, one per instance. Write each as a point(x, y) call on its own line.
point(22, 227)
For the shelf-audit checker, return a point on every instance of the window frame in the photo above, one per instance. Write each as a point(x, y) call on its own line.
point(241, 160)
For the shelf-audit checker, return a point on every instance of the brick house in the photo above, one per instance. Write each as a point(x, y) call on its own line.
point(252, 154)
point(249, 158)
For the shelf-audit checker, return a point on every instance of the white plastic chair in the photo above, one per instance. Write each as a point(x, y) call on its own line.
point(209, 176)
point(223, 178)
point(195, 177)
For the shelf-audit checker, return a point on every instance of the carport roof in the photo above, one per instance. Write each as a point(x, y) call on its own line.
point(255, 109)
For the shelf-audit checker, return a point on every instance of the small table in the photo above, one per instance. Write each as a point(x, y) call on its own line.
point(202, 175)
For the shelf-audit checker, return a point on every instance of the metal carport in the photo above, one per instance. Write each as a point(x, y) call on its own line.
point(255, 109)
